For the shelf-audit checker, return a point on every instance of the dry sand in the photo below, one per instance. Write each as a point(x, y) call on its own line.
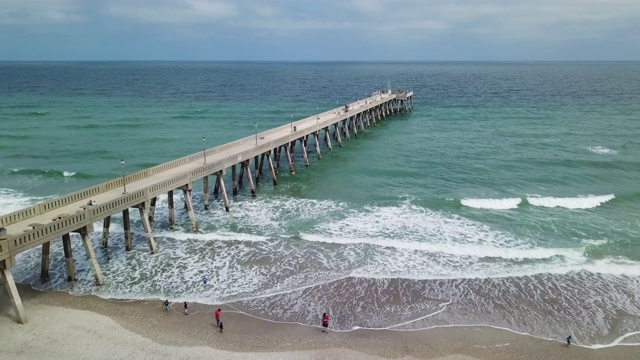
point(62, 326)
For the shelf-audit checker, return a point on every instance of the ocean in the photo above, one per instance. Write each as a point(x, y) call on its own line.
point(508, 197)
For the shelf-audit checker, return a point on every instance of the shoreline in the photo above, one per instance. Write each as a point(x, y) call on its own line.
point(247, 334)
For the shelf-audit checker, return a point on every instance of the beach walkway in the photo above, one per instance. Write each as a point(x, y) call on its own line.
point(42, 223)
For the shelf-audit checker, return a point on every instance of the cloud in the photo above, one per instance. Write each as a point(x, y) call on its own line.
point(22, 12)
point(173, 12)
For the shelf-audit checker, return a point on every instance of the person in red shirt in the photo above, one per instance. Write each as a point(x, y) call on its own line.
point(217, 313)
point(325, 322)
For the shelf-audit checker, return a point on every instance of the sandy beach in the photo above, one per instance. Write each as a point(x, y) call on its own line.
point(88, 327)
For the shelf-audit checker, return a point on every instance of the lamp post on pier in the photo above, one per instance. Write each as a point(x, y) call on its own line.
point(317, 115)
point(204, 153)
point(124, 184)
point(256, 131)
point(291, 120)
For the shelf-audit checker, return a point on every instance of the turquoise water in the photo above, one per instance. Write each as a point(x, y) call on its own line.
point(508, 197)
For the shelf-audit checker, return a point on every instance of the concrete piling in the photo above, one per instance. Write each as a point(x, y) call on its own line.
point(152, 209)
point(68, 257)
point(44, 265)
point(272, 169)
point(147, 229)
point(187, 199)
point(172, 219)
point(106, 223)
point(126, 224)
point(223, 190)
point(249, 179)
point(205, 191)
point(91, 256)
point(234, 180)
point(12, 290)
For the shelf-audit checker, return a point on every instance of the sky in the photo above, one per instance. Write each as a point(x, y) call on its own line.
point(320, 30)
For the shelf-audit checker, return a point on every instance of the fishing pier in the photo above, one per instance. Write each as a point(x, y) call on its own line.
point(58, 217)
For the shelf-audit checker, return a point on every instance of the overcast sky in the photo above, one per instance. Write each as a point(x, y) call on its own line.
point(320, 30)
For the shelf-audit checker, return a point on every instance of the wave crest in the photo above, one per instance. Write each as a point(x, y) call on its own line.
point(580, 202)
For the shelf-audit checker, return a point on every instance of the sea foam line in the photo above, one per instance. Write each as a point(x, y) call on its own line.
point(616, 342)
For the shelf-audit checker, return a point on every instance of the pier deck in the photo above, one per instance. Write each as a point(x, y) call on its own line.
point(46, 221)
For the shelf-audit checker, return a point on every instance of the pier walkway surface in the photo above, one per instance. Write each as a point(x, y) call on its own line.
point(58, 217)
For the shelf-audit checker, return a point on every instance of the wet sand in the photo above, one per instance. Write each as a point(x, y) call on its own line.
point(61, 326)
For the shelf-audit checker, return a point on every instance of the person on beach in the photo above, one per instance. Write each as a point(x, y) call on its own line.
point(205, 280)
point(186, 308)
point(569, 341)
point(221, 327)
point(166, 305)
point(325, 322)
point(217, 314)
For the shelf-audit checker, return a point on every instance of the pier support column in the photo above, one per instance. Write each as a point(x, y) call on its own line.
point(249, 179)
point(44, 266)
point(256, 163)
point(152, 209)
point(366, 117)
point(223, 190)
point(289, 160)
point(147, 229)
point(172, 218)
point(234, 180)
point(345, 127)
point(292, 151)
point(327, 138)
point(316, 140)
point(12, 290)
point(361, 118)
point(216, 190)
point(262, 156)
point(205, 191)
point(303, 144)
point(106, 223)
point(277, 158)
point(91, 256)
point(126, 224)
point(192, 214)
point(353, 126)
point(272, 170)
point(240, 178)
point(68, 257)
point(337, 134)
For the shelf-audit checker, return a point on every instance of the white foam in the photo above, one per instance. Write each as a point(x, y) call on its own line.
point(579, 202)
point(68, 173)
point(470, 250)
point(602, 150)
point(212, 236)
point(11, 201)
point(494, 204)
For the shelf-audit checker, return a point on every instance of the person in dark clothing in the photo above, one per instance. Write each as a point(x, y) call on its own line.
point(166, 305)
point(221, 327)
point(186, 309)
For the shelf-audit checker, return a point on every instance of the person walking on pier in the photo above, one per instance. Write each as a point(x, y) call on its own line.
point(186, 308)
point(217, 314)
